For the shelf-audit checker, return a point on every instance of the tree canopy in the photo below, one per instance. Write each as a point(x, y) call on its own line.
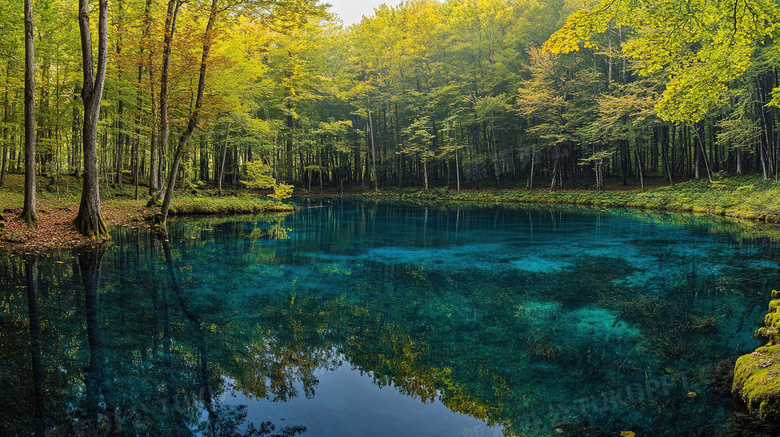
point(425, 94)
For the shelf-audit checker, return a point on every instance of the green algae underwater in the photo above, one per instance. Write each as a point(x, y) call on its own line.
point(371, 318)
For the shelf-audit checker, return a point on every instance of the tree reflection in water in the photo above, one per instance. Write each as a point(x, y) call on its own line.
point(166, 331)
point(125, 360)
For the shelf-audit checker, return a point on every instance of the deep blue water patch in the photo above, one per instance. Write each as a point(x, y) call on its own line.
point(357, 318)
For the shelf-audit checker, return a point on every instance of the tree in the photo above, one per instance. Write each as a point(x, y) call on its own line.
point(702, 45)
point(89, 220)
point(208, 40)
point(29, 213)
point(288, 14)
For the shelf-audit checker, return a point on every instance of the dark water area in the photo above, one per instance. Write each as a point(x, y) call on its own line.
point(377, 319)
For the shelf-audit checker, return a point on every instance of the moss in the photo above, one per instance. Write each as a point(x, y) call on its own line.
point(226, 205)
point(757, 375)
point(757, 381)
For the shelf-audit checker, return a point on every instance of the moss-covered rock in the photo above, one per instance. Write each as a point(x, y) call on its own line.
point(757, 375)
point(757, 381)
point(770, 332)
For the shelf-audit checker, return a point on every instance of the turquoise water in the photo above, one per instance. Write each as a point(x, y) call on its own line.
point(378, 319)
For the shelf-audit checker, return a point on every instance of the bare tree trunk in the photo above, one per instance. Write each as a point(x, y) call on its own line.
point(665, 153)
point(531, 177)
point(700, 141)
point(6, 111)
point(222, 166)
point(208, 39)
point(153, 153)
point(120, 140)
point(4, 163)
point(89, 220)
point(139, 96)
point(639, 168)
point(457, 169)
point(165, 127)
point(425, 173)
point(154, 158)
point(29, 213)
point(373, 148)
point(764, 146)
point(739, 161)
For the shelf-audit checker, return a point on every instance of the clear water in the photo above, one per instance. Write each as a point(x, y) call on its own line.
point(378, 319)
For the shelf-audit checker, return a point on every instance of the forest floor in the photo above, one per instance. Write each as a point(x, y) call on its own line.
point(57, 207)
point(747, 197)
point(57, 211)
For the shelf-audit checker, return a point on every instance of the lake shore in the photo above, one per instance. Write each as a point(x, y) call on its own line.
point(57, 211)
point(738, 197)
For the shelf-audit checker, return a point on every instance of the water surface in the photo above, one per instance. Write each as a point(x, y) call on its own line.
point(378, 319)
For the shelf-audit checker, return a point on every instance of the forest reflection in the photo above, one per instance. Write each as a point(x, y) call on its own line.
point(145, 336)
point(127, 357)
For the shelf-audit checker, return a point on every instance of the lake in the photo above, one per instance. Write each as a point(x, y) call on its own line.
point(350, 318)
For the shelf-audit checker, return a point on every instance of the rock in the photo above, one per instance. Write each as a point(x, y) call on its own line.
point(755, 374)
point(757, 385)
point(771, 330)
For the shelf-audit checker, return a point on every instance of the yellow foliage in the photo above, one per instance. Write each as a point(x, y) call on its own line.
point(281, 191)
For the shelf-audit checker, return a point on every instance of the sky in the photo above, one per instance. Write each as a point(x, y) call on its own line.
point(352, 11)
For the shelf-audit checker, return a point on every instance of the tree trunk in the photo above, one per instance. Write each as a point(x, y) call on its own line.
point(165, 127)
point(3, 163)
point(531, 176)
point(700, 142)
point(222, 166)
point(457, 169)
point(89, 220)
point(6, 112)
point(639, 168)
point(425, 173)
point(208, 39)
point(373, 148)
point(120, 140)
point(139, 97)
point(738, 152)
point(29, 213)
point(665, 153)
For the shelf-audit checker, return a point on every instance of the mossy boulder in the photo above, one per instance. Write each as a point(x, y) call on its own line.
point(770, 332)
point(757, 375)
point(757, 382)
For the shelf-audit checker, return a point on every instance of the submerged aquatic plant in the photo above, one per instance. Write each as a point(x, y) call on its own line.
point(708, 324)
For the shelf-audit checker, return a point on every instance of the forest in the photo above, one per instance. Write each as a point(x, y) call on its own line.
point(477, 93)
